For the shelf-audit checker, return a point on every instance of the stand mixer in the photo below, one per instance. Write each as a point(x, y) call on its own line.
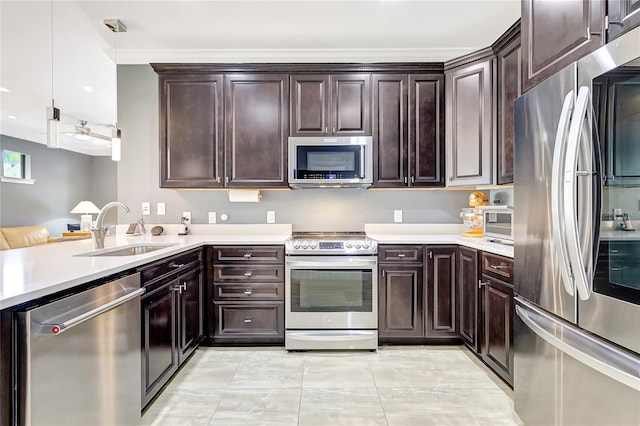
point(472, 216)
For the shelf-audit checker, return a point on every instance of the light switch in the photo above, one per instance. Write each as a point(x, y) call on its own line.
point(161, 209)
point(271, 216)
point(397, 216)
point(146, 208)
point(212, 217)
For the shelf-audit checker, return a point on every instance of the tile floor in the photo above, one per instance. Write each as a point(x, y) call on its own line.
point(410, 385)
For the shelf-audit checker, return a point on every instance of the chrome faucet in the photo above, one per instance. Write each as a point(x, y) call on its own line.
point(99, 232)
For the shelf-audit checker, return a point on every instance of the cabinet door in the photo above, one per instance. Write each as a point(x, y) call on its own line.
point(256, 130)
point(557, 33)
point(426, 130)
point(622, 17)
point(159, 339)
point(191, 312)
point(390, 130)
point(469, 125)
point(400, 298)
point(191, 131)
point(509, 89)
point(351, 104)
point(309, 105)
point(497, 318)
point(468, 296)
point(441, 318)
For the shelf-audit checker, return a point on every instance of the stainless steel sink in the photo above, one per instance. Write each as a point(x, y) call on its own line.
point(128, 250)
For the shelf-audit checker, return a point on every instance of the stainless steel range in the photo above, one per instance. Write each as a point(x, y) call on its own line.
point(331, 291)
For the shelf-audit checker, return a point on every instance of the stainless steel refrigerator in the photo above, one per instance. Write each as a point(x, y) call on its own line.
point(577, 257)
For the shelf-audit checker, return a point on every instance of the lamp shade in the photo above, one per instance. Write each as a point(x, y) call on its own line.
point(85, 207)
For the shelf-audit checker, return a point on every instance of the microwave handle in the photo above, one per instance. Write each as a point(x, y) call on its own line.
point(362, 161)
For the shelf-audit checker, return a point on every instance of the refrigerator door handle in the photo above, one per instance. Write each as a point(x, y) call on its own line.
point(570, 195)
point(596, 354)
point(557, 222)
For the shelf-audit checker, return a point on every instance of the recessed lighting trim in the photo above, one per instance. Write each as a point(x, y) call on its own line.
point(12, 117)
point(4, 90)
point(88, 89)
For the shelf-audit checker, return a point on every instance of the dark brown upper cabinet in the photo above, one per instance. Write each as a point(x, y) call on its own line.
point(191, 117)
point(331, 104)
point(408, 125)
point(470, 120)
point(256, 123)
point(509, 68)
point(557, 33)
point(622, 17)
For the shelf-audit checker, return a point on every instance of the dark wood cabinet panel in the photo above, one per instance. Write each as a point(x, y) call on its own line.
point(509, 64)
point(623, 17)
point(159, 340)
point(249, 322)
point(468, 297)
point(426, 130)
point(248, 273)
point(441, 318)
point(253, 254)
point(400, 253)
point(470, 124)
point(498, 266)
point(497, 314)
point(250, 291)
point(191, 312)
point(557, 33)
point(191, 147)
point(256, 129)
point(390, 141)
point(336, 104)
point(401, 303)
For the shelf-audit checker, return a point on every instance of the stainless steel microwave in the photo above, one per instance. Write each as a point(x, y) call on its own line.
point(318, 162)
point(497, 224)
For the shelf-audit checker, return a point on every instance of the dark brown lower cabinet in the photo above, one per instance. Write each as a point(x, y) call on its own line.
point(249, 323)
point(496, 347)
point(401, 303)
point(441, 313)
point(191, 312)
point(468, 297)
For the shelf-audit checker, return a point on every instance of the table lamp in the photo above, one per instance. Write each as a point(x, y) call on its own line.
point(85, 209)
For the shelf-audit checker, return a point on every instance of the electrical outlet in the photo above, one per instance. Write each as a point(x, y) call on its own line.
point(212, 217)
point(161, 209)
point(146, 208)
point(397, 216)
point(187, 216)
point(271, 216)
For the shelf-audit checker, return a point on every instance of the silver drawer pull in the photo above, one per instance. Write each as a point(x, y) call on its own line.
point(176, 265)
point(248, 292)
point(480, 283)
point(401, 255)
point(498, 266)
point(248, 274)
point(247, 255)
point(248, 320)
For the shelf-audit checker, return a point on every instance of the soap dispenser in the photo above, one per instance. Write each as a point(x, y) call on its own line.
point(183, 230)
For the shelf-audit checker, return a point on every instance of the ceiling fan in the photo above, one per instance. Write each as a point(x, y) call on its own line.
point(82, 132)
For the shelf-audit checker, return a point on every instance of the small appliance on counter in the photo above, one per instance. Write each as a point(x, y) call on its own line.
point(498, 224)
point(472, 216)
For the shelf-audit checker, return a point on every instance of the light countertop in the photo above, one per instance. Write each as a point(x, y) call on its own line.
point(31, 273)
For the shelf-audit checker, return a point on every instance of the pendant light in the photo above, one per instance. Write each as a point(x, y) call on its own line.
point(53, 113)
point(116, 26)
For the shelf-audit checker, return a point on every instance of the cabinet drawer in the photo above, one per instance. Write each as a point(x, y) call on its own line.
point(257, 320)
point(253, 254)
point(400, 253)
point(497, 266)
point(249, 291)
point(168, 266)
point(248, 273)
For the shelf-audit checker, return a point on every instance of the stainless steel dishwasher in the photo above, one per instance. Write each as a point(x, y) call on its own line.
point(79, 358)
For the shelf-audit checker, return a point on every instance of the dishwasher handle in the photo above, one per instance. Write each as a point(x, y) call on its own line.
point(59, 328)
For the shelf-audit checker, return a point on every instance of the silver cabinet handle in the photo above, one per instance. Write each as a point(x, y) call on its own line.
point(59, 328)
point(413, 179)
point(557, 222)
point(405, 179)
point(401, 255)
point(248, 274)
point(248, 320)
point(176, 265)
point(430, 254)
point(498, 266)
point(247, 255)
point(450, 178)
point(218, 179)
point(480, 283)
point(362, 168)
point(248, 292)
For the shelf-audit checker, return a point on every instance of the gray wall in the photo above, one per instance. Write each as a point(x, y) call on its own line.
point(62, 179)
point(312, 209)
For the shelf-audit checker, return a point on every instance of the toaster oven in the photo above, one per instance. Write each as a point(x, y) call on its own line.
point(497, 224)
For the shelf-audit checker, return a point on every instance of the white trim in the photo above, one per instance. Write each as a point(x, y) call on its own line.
point(145, 56)
point(14, 180)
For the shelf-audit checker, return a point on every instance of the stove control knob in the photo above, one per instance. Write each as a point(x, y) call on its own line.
point(348, 244)
point(366, 244)
point(357, 244)
point(313, 244)
point(305, 244)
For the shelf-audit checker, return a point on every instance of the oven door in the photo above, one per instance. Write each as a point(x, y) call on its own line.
point(331, 292)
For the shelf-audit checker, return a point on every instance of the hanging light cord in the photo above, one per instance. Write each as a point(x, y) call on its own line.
point(52, 92)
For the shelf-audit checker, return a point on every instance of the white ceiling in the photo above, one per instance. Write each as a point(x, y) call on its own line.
point(210, 31)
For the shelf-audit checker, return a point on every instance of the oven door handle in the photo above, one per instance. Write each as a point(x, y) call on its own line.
point(340, 262)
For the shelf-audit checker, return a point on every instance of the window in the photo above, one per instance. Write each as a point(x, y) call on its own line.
point(16, 167)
